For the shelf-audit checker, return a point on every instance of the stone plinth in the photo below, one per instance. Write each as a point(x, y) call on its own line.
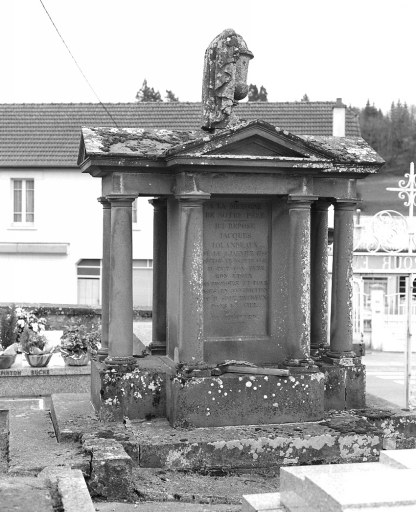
point(23, 380)
point(344, 386)
point(234, 399)
point(135, 392)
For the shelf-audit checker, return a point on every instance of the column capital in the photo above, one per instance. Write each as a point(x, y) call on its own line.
point(159, 203)
point(125, 200)
point(300, 202)
point(321, 205)
point(346, 204)
point(193, 198)
point(104, 201)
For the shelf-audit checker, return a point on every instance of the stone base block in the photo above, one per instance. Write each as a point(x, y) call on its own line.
point(344, 386)
point(122, 392)
point(237, 399)
point(111, 472)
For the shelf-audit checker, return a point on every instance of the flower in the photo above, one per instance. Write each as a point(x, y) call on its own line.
point(77, 341)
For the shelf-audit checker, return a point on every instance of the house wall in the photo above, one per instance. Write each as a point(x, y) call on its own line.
point(66, 212)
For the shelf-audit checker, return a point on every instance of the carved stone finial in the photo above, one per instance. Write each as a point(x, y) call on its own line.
point(225, 79)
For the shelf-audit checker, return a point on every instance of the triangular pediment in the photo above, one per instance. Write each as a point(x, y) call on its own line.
point(252, 139)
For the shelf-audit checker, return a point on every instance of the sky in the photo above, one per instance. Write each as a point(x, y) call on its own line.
point(357, 50)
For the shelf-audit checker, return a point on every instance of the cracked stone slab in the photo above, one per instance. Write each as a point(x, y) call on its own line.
point(32, 441)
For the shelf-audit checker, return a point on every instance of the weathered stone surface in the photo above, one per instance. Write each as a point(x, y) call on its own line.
point(352, 155)
point(68, 488)
point(234, 399)
point(136, 393)
point(344, 386)
point(74, 493)
point(22, 494)
point(225, 79)
point(253, 446)
point(32, 441)
point(398, 427)
point(236, 293)
point(44, 381)
point(72, 415)
point(111, 468)
point(4, 440)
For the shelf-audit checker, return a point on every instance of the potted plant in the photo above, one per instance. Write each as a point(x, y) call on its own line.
point(78, 345)
point(36, 348)
point(8, 337)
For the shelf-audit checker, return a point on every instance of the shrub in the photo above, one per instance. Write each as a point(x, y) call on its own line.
point(8, 327)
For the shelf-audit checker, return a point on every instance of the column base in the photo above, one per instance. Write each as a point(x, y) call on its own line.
point(340, 358)
point(157, 348)
point(116, 361)
point(299, 363)
point(318, 352)
point(315, 353)
point(102, 354)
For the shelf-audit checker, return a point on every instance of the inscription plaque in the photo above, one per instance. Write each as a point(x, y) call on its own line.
point(236, 273)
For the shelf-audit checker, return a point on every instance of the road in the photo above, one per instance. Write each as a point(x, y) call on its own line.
point(385, 376)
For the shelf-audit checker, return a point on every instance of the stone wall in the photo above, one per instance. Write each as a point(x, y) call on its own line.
point(61, 315)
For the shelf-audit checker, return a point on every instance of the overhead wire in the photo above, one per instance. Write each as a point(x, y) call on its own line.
point(78, 66)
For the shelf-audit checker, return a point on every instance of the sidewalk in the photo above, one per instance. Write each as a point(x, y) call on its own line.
point(387, 360)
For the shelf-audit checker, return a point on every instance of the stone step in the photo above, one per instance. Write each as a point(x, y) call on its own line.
point(385, 485)
point(155, 444)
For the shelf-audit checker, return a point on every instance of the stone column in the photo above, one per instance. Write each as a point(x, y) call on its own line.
point(298, 340)
point(105, 278)
point(319, 278)
point(121, 281)
point(158, 345)
point(342, 282)
point(191, 345)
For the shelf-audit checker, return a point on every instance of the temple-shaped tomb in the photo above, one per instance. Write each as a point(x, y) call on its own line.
point(240, 268)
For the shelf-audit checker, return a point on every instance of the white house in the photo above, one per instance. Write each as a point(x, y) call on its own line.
point(50, 219)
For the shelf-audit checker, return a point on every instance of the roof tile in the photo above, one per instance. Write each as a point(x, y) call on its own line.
point(48, 134)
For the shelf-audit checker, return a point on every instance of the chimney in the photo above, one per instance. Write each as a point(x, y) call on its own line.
point(338, 119)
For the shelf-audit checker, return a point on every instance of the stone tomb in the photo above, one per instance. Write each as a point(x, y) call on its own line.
point(240, 271)
point(240, 263)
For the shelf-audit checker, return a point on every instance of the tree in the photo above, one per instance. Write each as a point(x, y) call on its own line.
point(262, 94)
point(255, 95)
point(170, 96)
point(305, 98)
point(392, 135)
point(147, 94)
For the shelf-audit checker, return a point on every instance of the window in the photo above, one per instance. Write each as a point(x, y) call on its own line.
point(23, 202)
point(142, 283)
point(402, 287)
point(88, 277)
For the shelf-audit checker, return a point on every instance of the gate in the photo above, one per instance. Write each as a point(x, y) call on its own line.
point(385, 254)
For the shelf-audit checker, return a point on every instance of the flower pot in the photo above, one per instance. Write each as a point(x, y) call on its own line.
point(38, 360)
point(75, 360)
point(6, 361)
